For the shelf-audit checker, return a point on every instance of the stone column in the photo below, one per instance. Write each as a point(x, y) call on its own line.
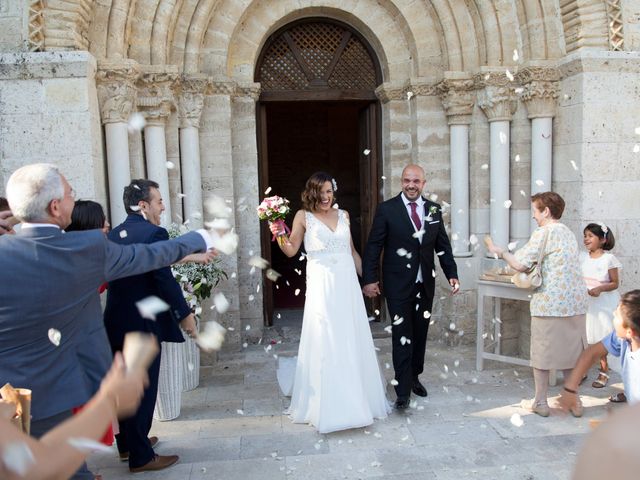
point(190, 105)
point(397, 147)
point(540, 94)
point(458, 99)
point(155, 101)
point(498, 102)
point(117, 96)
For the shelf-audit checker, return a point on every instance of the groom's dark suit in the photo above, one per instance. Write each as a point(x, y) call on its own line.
point(391, 231)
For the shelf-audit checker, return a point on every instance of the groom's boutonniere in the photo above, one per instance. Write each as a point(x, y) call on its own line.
point(432, 210)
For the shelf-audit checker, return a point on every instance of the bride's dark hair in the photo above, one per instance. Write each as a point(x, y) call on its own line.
point(311, 195)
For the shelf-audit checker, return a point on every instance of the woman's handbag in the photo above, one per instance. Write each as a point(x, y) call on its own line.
point(532, 278)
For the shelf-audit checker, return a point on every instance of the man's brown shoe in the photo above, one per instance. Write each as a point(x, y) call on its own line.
point(124, 456)
point(159, 462)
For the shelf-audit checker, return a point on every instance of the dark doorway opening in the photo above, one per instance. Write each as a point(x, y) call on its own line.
point(303, 138)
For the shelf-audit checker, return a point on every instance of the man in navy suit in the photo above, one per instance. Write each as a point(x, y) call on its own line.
point(52, 336)
point(143, 203)
point(409, 229)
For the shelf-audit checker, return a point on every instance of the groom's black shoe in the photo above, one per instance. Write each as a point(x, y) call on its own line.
point(419, 389)
point(402, 404)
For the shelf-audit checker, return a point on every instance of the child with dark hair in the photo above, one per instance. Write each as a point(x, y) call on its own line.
point(600, 270)
point(88, 215)
point(623, 342)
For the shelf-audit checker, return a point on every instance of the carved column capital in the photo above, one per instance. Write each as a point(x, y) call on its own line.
point(116, 85)
point(388, 91)
point(540, 90)
point(420, 87)
point(156, 97)
point(191, 99)
point(458, 98)
point(496, 95)
point(246, 90)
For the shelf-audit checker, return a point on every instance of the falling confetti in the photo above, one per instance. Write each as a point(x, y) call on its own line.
point(401, 252)
point(123, 234)
point(150, 306)
point(515, 55)
point(512, 246)
point(473, 239)
point(636, 148)
point(87, 445)
point(171, 165)
point(240, 411)
point(452, 326)
point(272, 275)
point(516, 420)
point(366, 151)
point(507, 204)
point(267, 191)
point(509, 75)
point(637, 131)
point(297, 292)
point(54, 336)
point(523, 193)
point(221, 303)
point(258, 262)
point(433, 197)
point(517, 158)
point(226, 243)
point(18, 458)
point(217, 207)
point(503, 138)
point(409, 95)
point(136, 122)
point(211, 337)
point(484, 166)
point(573, 164)
point(426, 314)
point(539, 183)
point(398, 321)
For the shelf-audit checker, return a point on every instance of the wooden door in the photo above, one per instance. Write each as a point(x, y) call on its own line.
point(370, 194)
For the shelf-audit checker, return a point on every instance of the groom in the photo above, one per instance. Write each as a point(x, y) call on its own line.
point(409, 228)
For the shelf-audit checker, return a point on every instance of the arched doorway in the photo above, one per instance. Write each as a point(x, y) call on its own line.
point(317, 111)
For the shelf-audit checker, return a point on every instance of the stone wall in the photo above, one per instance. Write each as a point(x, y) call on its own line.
point(49, 113)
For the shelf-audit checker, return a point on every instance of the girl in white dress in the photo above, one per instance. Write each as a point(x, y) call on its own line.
point(337, 383)
point(600, 272)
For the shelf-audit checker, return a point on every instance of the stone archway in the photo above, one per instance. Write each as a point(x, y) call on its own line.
point(317, 110)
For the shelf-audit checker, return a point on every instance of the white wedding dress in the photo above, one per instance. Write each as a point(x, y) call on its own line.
point(337, 383)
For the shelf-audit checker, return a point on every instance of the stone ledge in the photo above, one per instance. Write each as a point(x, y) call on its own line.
point(25, 66)
point(586, 61)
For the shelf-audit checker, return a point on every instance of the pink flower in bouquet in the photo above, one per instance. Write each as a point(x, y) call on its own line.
point(275, 209)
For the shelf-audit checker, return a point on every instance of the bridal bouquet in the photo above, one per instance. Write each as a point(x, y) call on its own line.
point(274, 210)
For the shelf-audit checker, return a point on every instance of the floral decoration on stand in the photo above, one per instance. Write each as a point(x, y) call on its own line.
point(197, 280)
point(275, 209)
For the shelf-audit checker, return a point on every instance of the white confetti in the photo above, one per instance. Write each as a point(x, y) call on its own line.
point(507, 204)
point(297, 292)
point(473, 239)
point(221, 303)
point(523, 193)
point(181, 195)
point(136, 122)
point(383, 177)
point(190, 366)
point(394, 382)
point(171, 165)
point(54, 336)
point(123, 234)
point(637, 131)
point(398, 321)
point(87, 445)
point(150, 306)
point(409, 95)
point(212, 336)
point(366, 151)
point(401, 252)
point(636, 148)
point(419, 234)
point(245, 345)
point(503, 138)
point(509, 75)
point(433, 274)
point(516, 420)
point(512, 246)
point(272, 275)
point(240, 411)
point(134, 208)
point(426, 314)
point(217, 223)
point(17, 457)
point(247, 328)
point(217, 207)
point(452, 326)
point(539, 183)
point(515, 55)
point(484, 166)
point(226, 243)
point(573, 164)
point(258, 262)
point(433, 197)
point(267, 191)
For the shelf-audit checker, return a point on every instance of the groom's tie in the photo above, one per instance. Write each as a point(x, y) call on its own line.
point(414, 215)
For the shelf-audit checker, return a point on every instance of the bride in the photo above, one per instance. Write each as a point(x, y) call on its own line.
point(337, 383)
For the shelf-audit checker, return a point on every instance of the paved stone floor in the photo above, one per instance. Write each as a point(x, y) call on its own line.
point(232, 426)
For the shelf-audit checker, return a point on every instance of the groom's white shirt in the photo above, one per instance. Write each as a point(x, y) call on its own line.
point(420, 209)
